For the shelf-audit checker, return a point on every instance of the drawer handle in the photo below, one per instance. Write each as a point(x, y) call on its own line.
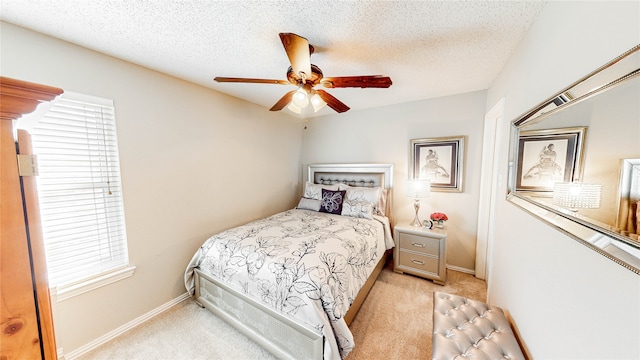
point(417, 245)
point(417, 262)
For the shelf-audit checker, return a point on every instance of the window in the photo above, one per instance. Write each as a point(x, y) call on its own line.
point(80, 193)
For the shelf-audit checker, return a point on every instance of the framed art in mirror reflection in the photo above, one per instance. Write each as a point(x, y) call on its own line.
point(549, 156)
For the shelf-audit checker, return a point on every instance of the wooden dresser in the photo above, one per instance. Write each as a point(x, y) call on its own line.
point(25, 305)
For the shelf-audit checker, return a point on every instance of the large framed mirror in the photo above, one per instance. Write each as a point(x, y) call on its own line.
point(575, 160)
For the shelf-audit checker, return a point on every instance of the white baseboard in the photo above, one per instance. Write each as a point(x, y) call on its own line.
point(461, 269)
point(122, 329)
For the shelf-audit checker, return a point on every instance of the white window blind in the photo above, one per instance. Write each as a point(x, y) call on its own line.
point(79, 189)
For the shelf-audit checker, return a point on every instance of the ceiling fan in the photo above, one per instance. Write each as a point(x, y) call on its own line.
point(305, 75)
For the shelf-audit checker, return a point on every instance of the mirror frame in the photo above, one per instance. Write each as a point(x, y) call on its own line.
point(600, 237)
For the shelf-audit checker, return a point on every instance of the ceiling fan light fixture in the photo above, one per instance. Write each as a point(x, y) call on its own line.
point(305, 76)
point(317, 102)
point(300, 98)
point(294, 108)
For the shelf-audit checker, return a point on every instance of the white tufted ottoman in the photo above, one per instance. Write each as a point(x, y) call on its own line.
point(468, 329)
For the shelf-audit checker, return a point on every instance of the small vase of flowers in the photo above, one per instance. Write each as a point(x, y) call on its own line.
point(439, 219)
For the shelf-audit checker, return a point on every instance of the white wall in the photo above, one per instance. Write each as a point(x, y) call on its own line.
point(194, 162)
point(382, 135)
point(567, 301)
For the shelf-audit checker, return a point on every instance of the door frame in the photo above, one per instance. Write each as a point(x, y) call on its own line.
point(489, 183)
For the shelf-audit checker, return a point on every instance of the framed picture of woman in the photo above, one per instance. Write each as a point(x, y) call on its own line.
point(549, 156)
point(438, 160)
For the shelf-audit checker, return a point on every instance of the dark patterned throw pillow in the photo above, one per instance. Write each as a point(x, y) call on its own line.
point(332, 201)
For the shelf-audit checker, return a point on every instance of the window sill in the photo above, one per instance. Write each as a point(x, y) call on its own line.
point(61, 293)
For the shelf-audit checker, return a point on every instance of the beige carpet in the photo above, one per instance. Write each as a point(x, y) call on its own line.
point(393, 323)
point(184, 332)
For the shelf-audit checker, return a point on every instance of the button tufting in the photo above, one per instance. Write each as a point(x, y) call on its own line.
point(471, 325)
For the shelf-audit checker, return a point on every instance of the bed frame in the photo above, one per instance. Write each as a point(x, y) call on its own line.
point(278, 333)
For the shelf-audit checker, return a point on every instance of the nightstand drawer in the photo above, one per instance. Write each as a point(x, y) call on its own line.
point(418, 261)
point(420, 244)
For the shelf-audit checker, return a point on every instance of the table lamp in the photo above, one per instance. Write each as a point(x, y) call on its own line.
point(418, 189)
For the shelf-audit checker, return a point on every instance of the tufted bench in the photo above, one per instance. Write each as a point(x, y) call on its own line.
point(464, 328)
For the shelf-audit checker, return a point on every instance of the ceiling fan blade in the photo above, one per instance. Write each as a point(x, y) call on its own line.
point(333, 103)
point(297, 49)
point(368, 81)
point(284, 101)
point(249, 80)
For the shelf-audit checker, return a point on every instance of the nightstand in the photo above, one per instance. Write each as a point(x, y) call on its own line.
point(420, 251)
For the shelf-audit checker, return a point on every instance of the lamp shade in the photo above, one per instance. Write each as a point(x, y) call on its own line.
point(575, 195)
point(300, 98)
point(294, 108)
point(418, 188)
point(317, 102)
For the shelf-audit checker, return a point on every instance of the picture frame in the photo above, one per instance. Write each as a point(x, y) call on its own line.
point(549, 156)
point(439, 160)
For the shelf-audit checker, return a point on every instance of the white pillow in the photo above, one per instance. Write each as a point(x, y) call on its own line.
point(359, 209)
point(314, 191)
point(309, 204)
point(372, 195)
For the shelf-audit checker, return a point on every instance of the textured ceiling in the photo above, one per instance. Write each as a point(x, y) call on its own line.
point(428, 48)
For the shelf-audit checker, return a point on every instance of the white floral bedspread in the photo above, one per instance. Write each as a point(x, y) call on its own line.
point(307, 264)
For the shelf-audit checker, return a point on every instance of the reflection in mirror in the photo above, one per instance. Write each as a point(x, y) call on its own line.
point(628, 220)
point(576, 160)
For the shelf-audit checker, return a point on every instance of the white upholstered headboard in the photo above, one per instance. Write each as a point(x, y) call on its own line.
point(365, 175)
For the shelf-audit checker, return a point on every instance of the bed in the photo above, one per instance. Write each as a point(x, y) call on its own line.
point(294, 281)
